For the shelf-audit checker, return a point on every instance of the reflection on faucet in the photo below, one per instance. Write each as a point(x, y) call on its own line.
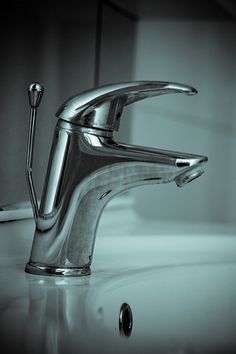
point(87, 168)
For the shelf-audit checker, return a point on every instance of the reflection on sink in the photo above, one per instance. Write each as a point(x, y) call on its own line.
point(171, 294)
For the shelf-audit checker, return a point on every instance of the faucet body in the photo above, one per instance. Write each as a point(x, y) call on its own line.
point(86, 169)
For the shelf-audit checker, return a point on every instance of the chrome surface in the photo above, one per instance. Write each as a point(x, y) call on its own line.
point(87, 168)
point(102, 107)
point(35, 93)
point(125, 320)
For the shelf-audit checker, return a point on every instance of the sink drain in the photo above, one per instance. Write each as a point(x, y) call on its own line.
point(125, 320)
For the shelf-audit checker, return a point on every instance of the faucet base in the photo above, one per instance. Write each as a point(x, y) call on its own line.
point(41, 269)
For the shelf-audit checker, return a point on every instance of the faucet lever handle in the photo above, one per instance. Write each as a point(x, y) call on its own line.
point(102, 107)
point(35, 93)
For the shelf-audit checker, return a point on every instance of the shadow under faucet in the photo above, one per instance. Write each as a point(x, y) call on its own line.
point(87, 168)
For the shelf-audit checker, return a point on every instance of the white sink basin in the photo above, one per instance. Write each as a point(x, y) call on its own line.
point(181, 292)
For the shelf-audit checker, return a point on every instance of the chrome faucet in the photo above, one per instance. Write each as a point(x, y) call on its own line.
point(87, 168)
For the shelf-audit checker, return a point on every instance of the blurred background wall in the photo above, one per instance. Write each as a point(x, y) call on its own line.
point(72, 46)
point(68, 47)
point(203, 54)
